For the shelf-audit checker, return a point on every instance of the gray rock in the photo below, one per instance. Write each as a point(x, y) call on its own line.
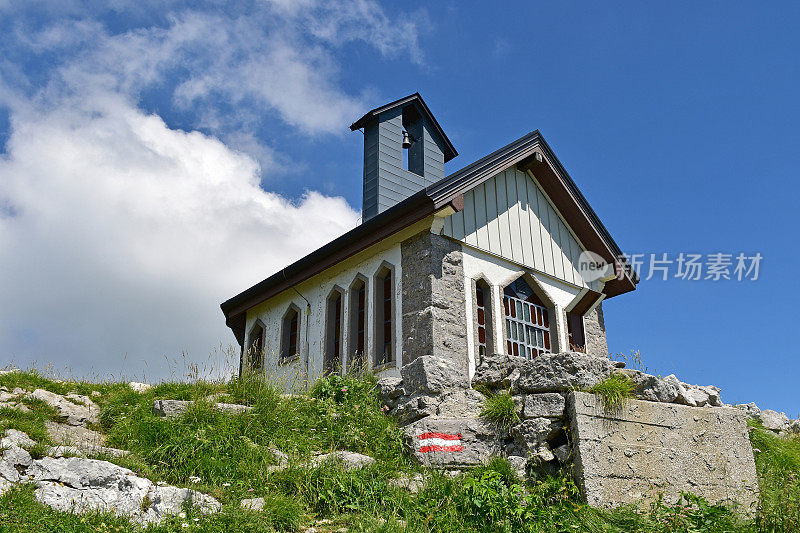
point(452, 442)
point(139, 387)
point(429, 374)
point(389, 389)
point(652, 388)
point(413, 484)
point(85, 485)
point(281, 458)
point(774, 420)
point(167, 500)
point(646, 448)
point(75, 415)
point(82, 485)
point(78, 436)
point(176, 408)
point(714, 398)
point(466, 403)
point(348, 460)
point(543, 454)
point(544, 405)
point(563, 453)
point(530, 434)
point(751, 410)
point(696, 395)
point(252, 504)
point(14, 437)
point(80, 399)
point(519, 465)
point(415, 407)
point(5, 486)
point(563, 372)
point(64, 451)
point(14, 461)
point(496, 370)
point(6, 396)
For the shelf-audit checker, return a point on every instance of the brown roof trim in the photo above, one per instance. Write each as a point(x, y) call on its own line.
point(586, 301)
point(528, 152)
point(449, 150)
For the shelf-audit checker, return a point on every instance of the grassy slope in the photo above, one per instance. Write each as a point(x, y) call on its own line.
point(230, 456)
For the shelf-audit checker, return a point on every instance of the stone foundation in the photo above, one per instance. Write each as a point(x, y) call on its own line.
point(673, 437)
point(633, 454)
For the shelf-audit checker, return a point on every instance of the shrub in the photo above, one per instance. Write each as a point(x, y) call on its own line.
point(613, 390)
point(500, 409)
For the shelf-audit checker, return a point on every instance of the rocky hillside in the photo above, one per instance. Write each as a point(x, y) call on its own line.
point(240, 456)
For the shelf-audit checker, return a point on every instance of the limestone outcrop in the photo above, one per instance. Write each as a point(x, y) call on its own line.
point(78, 484)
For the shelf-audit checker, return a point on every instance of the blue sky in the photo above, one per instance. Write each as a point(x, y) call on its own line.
point(157, 158)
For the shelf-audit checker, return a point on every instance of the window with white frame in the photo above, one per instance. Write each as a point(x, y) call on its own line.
point(527, 321)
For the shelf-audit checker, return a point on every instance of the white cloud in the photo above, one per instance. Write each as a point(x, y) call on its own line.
point(129, 234)
point(119, 235)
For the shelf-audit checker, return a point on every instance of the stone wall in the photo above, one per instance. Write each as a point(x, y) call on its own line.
point(670, 437)
point(630, 455)
point(433, 309)
point(595, 327)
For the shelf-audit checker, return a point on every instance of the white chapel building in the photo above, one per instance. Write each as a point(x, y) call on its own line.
point(485, 260)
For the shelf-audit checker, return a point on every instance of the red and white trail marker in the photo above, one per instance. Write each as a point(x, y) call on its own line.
point(439, 442)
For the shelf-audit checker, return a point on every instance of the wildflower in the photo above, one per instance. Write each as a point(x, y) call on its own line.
point(161, 483)
point(756, 450)
point(194, 479)
point(385, 408)
point(250, 490)
point(196, 519)
point(226, 484)
point(181, 515)
point(184, 525)
point(344, 389)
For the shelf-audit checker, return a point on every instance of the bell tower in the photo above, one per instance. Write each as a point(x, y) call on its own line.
point(405, 150)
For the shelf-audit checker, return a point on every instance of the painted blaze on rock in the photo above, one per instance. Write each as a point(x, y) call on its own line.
point(452, 441)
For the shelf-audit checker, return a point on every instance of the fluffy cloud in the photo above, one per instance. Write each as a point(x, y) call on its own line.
point(126, 235)
point(120, 235)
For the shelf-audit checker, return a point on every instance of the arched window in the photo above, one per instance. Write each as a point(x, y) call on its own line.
point(384, 315)
point(255, 346)
point(290, 327)
point(527, 321)
point(333, 333)
point(358, 322)
point(484, 327)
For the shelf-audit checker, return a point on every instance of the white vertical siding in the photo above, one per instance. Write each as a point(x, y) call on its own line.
point(509, 215)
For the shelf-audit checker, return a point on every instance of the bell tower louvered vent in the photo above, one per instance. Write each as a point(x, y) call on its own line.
point(405, 150)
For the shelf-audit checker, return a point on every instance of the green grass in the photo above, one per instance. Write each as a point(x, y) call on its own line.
point(500, 409)
point(613, 390)
point(778, 465)
point(230, 454)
